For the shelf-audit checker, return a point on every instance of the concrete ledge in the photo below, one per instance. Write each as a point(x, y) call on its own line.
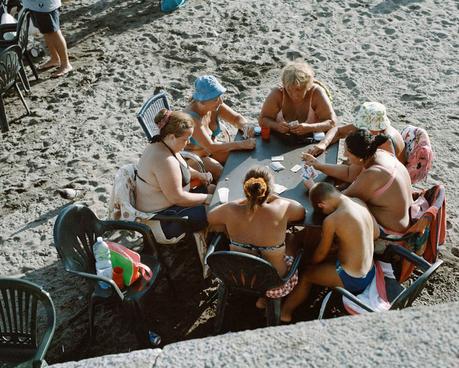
point(135, 359)
point(415, 337)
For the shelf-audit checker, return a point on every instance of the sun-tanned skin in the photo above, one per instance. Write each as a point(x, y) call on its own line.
point(349, 226)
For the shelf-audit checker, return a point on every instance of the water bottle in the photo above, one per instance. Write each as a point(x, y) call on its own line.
point(103, 261)
point(154, 338)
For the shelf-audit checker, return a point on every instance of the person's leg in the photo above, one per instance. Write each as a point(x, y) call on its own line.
point(58, 41)
point(54, 59)
point(323, 274)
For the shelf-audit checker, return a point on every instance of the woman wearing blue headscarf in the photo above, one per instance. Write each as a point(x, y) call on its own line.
point(207, 109)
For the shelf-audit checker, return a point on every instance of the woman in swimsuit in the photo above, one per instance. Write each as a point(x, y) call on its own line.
point(207, 108)
point(371, 116)
point(257, 223)
point(301, 99)
point(163, 176)
point(383, 182)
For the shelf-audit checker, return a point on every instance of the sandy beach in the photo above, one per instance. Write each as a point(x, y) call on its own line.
point(83, 127)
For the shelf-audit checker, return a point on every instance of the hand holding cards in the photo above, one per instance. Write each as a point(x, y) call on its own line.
point(309, 173)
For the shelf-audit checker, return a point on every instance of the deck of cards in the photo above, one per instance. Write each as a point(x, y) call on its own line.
point(276, 166)
point(293, 123)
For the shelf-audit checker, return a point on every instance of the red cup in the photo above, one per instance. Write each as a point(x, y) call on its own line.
point(118, 276)
point(265, 133)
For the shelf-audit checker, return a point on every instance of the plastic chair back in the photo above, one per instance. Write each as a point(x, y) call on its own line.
point(243, 271)
point(75, 231)
point(19, 301)
point(23, 29)
point(146, 115)
point(9, 67)
point(406, 298)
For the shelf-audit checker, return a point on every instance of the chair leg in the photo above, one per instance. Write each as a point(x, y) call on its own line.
point(23, 76)
point(91, 310)
point(32, 66)
point(22, 98)
point(221, 305)
point(3, 119)
point(167, 270)
point(273, 312)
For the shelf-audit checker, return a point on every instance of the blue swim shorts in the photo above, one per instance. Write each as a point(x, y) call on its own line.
point(354, 284)
point(46, 22)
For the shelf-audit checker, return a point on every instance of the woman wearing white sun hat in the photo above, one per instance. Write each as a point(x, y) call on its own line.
point(373, 117)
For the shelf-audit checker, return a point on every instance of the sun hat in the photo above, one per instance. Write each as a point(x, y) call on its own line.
point(207, 87)
point(372, 116)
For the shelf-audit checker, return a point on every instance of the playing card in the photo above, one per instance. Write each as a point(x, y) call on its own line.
point(296, 168)
point(277, 158)
point(309, 173)
point(278, 188)
point(276, 166)
point(294, 123)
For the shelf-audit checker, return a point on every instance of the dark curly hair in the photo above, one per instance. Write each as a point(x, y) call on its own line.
point(363, 145)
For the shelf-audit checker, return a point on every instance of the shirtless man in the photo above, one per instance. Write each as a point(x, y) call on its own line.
point(351, 225)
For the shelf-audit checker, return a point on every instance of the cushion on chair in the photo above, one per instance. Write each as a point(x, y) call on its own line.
point(121, 205)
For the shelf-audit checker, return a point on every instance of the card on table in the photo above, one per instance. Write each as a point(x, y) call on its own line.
point(318, 136)
point(277, 158)
point(278, 188)
point(296, 168)
point(276, 166)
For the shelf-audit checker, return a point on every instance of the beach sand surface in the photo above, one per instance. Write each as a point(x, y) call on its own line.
point(83, 127)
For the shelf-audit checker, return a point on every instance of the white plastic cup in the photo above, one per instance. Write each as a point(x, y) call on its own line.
point(223, 194)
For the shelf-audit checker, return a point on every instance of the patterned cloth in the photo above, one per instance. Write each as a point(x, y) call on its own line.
point(372, 116)
point(418, 152)
point(285, 289)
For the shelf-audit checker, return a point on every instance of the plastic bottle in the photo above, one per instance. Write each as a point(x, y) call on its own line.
point(103, 261)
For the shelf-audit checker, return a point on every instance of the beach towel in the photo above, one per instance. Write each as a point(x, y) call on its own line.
point(418, 152)
point(375, 293)
point(171, 5)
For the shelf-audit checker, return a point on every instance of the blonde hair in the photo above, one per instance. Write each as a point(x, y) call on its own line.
point(257, 186)
point(297, 74)
point(172, 122)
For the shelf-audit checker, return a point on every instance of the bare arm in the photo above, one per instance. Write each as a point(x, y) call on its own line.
point(202, 137)
point(328, 233)
point(324, 111)
point(332, 136)
point(363, 187)
point(269, 111)
point(170, 182)
point(346, 173)
point(217, 215)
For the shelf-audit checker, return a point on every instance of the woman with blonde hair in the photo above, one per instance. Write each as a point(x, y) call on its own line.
point(257, 224)
point(163, 176)
point(207, 109)
point(300, 105)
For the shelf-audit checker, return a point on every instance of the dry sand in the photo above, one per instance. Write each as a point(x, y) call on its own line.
point(402, 53)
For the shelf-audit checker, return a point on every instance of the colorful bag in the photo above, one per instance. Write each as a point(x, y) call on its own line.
point(418, 152)
point(129, 261)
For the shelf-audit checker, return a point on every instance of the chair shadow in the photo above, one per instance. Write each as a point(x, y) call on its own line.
point(125, 15)
point(389, 6)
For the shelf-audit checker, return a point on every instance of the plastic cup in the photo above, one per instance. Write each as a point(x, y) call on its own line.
point(118, 276)
point(265, 133)
point(223, 195)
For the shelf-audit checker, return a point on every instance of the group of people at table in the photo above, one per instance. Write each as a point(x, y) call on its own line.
point(376, 200)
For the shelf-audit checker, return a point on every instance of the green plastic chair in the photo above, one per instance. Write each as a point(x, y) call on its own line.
point(19, 300)
point(75, 231)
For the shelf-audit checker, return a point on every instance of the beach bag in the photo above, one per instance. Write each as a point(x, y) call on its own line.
point(171, 5)
point(129, 261)
point(418, 152)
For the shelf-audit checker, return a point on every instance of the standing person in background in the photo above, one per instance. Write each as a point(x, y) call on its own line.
point(45, 16)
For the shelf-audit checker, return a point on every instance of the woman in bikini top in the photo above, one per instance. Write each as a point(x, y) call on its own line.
point(383, 182)
point(300, 99)
point(163, 176)
point(257, 223)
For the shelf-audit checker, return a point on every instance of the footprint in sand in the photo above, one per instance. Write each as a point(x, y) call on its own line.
point(455, 251)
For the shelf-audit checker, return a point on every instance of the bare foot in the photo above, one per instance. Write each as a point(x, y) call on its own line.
point(261, 303)
point(63, 70)
point(49, 64)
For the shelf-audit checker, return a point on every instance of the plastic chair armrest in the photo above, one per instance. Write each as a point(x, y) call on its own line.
point(171, 218)
point(99, 278)
point(295, 264)
point(143, 229)
point(213, 244)
point(353, 298)
point(39, 356)
point(195, 158)
point(410, 256)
